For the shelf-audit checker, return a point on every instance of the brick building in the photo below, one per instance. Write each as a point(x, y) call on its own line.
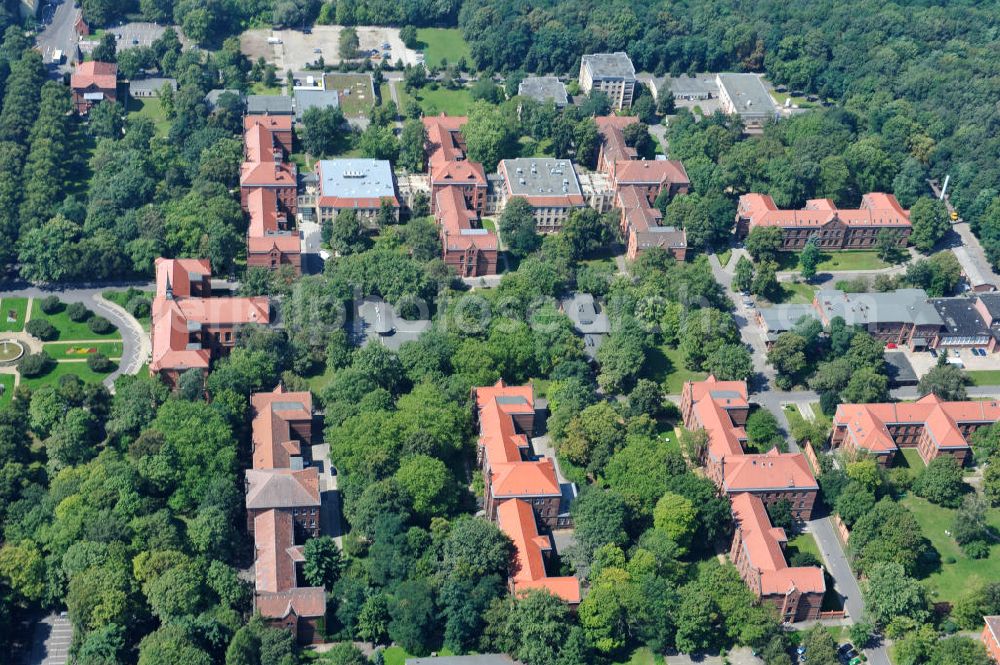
point(517, 519)
point(458, 198)
point(506, 419)
point(264, 168)
point(757, 551)
point(991, 637)
point(272, 239)
point(283, 511)
point(932, 426)
point(720, 408)
point(360, 185)
point(522, 490)
point(190, 328)
point(636, 184)
point(92, 83)
point(834, 228)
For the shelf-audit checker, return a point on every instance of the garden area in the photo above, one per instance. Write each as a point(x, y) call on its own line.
point(135, 302)
point(6, 388)
point(958, 572)
point(848, 259)
point(435, 99)
point(795, 293)
point(152, 108)
point(67, 329)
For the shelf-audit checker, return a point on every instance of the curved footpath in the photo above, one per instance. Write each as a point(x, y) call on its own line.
point(135, 341)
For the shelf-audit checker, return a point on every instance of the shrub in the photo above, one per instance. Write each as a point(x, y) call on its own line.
point(100, 325)
point(98, 362)
point(805, 559)
point(976, 549)
point(139, 306)
point(52, 305)
point(41, 329)
point(36, 364)
point(78, 312)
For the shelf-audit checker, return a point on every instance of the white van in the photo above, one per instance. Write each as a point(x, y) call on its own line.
point(273, 40)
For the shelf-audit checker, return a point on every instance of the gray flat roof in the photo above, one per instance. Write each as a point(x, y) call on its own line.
point(155, 84)
point(960, 316)
point(609, 66)
point(377, 319)
point(899, 306)
point(586, 314)
point(543, 89)
point(307, 99)
point(747, 92)
point(356, 178)
point(784, 317)
point(273, 104)
point(541, 176)
point(700, 84)
point(900, 370)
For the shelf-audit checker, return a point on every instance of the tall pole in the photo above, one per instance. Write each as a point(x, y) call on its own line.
point(944, 189)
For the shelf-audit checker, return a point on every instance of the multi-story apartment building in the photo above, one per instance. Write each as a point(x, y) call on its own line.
point(522, 490)
point(757, 551)
point(549, 185)
point(833, 228)
point(612, 74)
point(284, 510)
point(932, 426)
point(458, 197)
point(190, 328)
point(361, 185)
point(720, 408)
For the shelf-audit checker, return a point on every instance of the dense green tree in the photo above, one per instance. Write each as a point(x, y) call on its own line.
point(323, 562)
point(763, 243)
point(323, 130)
point(809, 259)
point(945, 381)
point(941, 482)
point(929, 218)
point(743, 275)
point(489, 134)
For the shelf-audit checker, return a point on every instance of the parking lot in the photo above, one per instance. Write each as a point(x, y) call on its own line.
point(129, 35)
point(297, 49)
point(52, 638)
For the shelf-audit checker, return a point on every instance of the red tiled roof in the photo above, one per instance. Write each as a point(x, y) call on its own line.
point(458, 173)
point(771, 471)
point(282, 488)
point(267, 174)
point(610, 128)
point(103, 75)
point(307, 602)
point(342, 202)
point(496, 428)
point(456, 222)
point(536, 478)
point(993, 625)
point(762, 546)
point(263, 232)
point(444, 139)
point(517, 520)
point(867, 424)
point(281, 123)
point(651, 172)
point(877, 209)
point(274, 534)
point(173, 318)
point(273, 445)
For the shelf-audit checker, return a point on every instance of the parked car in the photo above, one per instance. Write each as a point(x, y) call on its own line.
point(933, 353)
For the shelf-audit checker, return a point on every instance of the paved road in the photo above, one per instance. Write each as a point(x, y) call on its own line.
point(52, 638)
point(135, 340)
point(59, 34)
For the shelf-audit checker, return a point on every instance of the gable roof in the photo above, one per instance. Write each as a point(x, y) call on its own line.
point(771, 471)
point(761, 544)
point(517, 520)
point(273, 444)
point(103, 75)
point(282, 488)
point(877, 210)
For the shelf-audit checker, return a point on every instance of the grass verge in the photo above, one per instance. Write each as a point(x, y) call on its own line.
point(666, 366)
point(443, 44)
point(444, 100)
point(6, 388)
point(78, 351)
point(63, 369)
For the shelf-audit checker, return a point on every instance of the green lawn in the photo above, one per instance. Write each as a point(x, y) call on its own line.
point(442, 44)
point(122, 298)
point(532, 148)
point(851, 260)
point(356, 95)
point(12, 308)
point(641, 656)
point(666, 366)
point(77, 351)
point(794, 415)
point(258, 88)
point(953, 579)
point(398, 655)
point(6, 388)
point(724, 257)
point(909, 459)
point(796, 292)
point(443, 100)
point(804, 542)
point(152, 108)
point(69, 329)
point(984, 377)
point(488, 224)
point(63, 368)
